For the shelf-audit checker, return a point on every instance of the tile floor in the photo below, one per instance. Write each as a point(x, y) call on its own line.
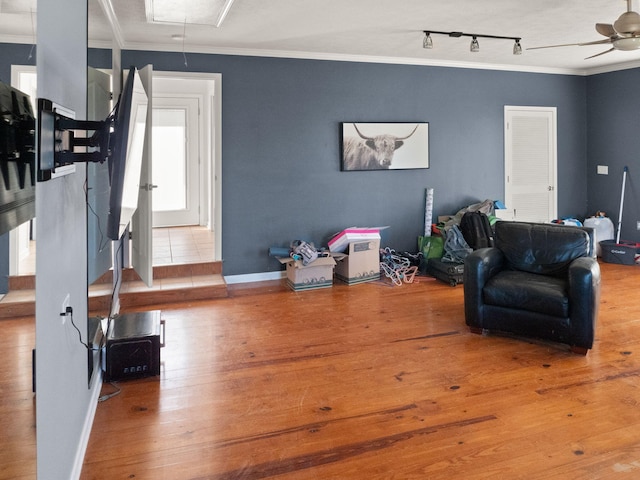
point(173, 245)
point(179, 245)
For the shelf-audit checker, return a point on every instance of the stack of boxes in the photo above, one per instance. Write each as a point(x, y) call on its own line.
point(354, 253)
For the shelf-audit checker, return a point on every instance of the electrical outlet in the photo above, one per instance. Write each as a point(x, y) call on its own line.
point(603, 170)
point(65, 303)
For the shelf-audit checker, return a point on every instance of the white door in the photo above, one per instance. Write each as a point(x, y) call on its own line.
point(176, 158)
point(141, 235)
point(530, 163)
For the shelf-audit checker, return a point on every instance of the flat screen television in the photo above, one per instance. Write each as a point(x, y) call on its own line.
point(125, 160)
point(118, 140)
point(17, 158)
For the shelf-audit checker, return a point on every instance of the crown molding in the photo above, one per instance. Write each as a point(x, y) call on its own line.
point(110, 13)
point(301, 55)
point(20, 39)
point(614, 68)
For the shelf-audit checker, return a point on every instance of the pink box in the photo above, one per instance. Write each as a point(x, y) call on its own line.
point(340, 242)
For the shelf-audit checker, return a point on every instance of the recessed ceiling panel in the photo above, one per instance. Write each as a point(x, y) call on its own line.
point(211, 12)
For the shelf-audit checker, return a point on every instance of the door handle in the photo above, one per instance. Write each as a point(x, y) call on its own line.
point(148, 187)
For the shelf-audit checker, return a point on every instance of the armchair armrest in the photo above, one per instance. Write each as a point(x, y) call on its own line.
point(479, 266)
point(584, 296)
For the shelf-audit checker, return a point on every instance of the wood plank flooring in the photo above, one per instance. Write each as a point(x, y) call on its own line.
point(367, 381)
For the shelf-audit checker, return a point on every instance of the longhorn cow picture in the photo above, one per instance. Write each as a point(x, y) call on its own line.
point(385, 146)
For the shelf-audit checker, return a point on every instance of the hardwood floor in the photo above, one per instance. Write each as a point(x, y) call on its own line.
point(367, 381)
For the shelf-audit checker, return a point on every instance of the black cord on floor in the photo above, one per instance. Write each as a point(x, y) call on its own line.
point(107, 396)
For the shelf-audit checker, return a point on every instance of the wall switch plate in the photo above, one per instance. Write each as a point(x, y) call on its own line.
point(603, 170)
point(638, 225)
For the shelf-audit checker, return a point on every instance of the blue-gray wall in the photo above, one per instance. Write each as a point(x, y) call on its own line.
point(614, 140)
point(14, 54)
point(281, 130)
point(281, 158)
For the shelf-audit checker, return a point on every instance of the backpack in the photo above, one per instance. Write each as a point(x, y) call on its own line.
point(476, 230)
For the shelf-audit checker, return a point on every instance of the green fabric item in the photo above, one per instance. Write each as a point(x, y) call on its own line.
point(431, 247)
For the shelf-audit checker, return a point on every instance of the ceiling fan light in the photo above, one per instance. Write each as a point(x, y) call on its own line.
point(517, 48)
point(475, 46)
point(627, 43)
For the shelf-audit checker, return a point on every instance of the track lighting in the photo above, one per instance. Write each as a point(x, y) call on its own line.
point(427, 42)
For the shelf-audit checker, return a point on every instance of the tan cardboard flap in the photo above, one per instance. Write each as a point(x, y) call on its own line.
point(320, 261)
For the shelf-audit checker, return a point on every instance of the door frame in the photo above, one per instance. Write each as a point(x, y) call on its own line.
point(210, 216)
point(551, 114)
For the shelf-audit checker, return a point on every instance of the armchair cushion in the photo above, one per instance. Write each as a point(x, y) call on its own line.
point(529, 291)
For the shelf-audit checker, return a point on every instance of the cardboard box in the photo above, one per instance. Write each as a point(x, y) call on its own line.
point(361, 264)
point(621, 253)
point(340, 241)
point(318, 274)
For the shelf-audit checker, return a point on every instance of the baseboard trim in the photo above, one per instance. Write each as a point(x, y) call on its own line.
point(96, 386)
point(254, 277)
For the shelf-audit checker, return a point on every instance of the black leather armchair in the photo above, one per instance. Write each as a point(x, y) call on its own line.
point(539, 280)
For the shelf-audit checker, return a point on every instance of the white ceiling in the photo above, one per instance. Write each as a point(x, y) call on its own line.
point(388, 31)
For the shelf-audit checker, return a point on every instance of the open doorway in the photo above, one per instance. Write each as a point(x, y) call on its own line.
point(186, 167)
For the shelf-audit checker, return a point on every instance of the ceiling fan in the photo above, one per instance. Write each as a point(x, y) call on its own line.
point(624, 34)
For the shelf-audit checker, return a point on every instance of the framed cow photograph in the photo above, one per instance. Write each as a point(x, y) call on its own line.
point(385, 146)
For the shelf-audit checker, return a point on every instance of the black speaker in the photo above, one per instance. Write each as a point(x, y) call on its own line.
point(132, 349)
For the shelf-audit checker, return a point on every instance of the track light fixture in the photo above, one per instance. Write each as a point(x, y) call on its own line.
point(427, 42)
point(517, 48)
point(475, 46)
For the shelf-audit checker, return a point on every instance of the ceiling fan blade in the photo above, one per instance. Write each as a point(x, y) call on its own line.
point(601, 53)
point(596, 42)
point(606, 29)
point(554, 46)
